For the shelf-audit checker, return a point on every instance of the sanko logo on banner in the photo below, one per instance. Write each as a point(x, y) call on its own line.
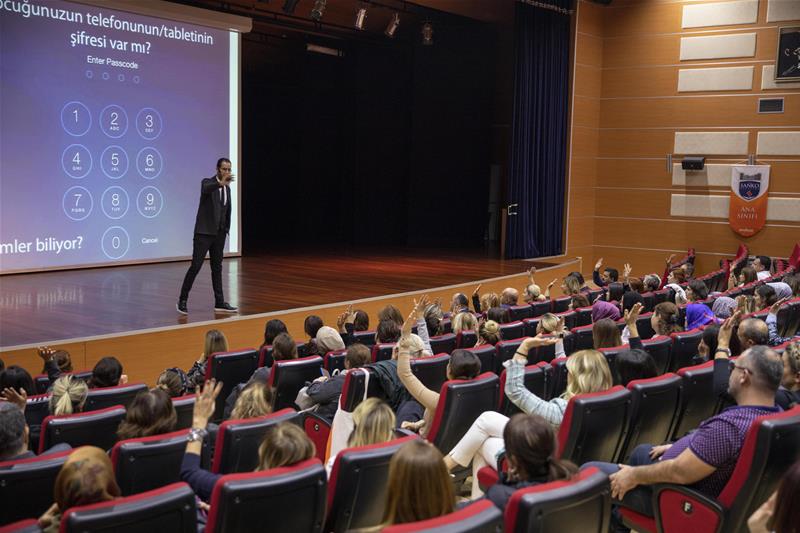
point(748, 206)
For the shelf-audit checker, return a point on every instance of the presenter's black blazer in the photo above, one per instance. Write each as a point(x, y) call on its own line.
point(210, 211)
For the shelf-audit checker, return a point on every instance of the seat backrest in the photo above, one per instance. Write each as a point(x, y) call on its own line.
point(684, 348)
point(660, 348)
point(512, 330)
point(570, 318)
point(382, 351)
point(28, 525)
point(265, 356)
point(460, 403)
point(584, 340)
point(594, 426)
point(611, 358)
point(353, 388)
point(334, 360)
point(357, 485)
point(654, 406)
point(583, 316)
point(530, 326)
point(789, 318)
point(170, 508)
point(26, 485)
point(431, 371)
point(148, 463)
point(644, 326)
point(95, 428)
point(236, 447)
point(290, 375)
point(540, 308)
point(771, 447)
point(505, 351)
point(103, 397)
point(561, 304)
point(231, 368)
point(579, 505)
point(291, 498)
point(445, 343)
point(520, 312)
point(36, 409)
point(536, 378)
point(649, 302)
point(466, 338)
point(318, 430)
point(479, 517)
point(367, 338)
point(558, 378)
point(184, 408)
point(698, 401)
point(488, 355)
point(661, 295)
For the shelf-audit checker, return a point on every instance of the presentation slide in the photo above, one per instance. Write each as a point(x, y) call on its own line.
point(109, 120)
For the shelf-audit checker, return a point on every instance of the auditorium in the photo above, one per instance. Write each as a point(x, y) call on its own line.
point(465, 266)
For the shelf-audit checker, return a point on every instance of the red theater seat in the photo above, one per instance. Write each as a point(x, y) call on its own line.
point(579, 505)
point(520, 312)
point(26, 485)
point(684, 348)
point(382, 351)
point(594, 426)
point(536, 378)
point(488, 356)
point(660, 349)
point(466, 338)
point(443, 343)
point(148, 463)
point(654, 408)
point(505, 351)
point(431, 371)
point(171, 508)
point(29, 525)
point(319, 431)
point(367, 338)
point(460, 403)
point(289, 498)
point(512, 330)
point(334, 360)
point(698, 401)
point(231, 368)
point(540, 308)
point(95, 428)
point(358, 483)
point(479, 517)
point(289, 376)
point(107, 396)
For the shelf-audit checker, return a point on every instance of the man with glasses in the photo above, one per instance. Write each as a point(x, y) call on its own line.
point(210, 230)
point(705, 458)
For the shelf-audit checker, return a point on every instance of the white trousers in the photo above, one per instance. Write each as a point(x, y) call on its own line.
point(480, 445)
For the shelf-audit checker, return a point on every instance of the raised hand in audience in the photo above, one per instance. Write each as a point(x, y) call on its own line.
point(670, 259)
point(531, 273)
point(17, 398)
point(631, 316)
point(205, 403)
point(626, 271)
point(347, 317)
point(598, 264)
point(45, 352)
point(476, 292)
point(533, 342)
point(725, 333)
point(777, 305)
point(549, 286)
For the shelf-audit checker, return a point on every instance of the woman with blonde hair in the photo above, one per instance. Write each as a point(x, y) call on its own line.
point(215, 342)
point(489, 333)
point(254, 401)
point(285, 444)
point(464, 321)
point(373, 423)
point(587, 372)
point(87, 477)
point(419, 485)
point(68, 395)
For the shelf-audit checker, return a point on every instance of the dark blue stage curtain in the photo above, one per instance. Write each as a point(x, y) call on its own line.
point(537, 173)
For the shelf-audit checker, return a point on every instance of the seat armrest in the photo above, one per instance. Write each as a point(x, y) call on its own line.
point(679, 509)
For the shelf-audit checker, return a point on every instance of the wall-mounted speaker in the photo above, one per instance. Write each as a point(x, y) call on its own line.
point(693, 163)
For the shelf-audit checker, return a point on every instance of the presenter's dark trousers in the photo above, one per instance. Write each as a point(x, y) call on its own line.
point(213, 245)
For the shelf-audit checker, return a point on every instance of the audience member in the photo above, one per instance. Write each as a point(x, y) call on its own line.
point(578, 301)
point(361, 320)
point(606, 334)
point(509, 297)
point(390, 312)
point(150, 413)
point(665, 319)
point(87, 477)
point(782, 290)
point(56, 362)
point(772, 323)
point(602, 309)
point(464, 321)
point(311, 326)
point(609, 274)
point(723, 307)
point(698, 314)
point(705, 458)
point(175, 382)
point(500, 315)
point(459, 304)
point(433, 316)
point(570, 286)
point(14, 432)
point(489, 333)
point(780, 513)
point(327, 340)
point(255, 400)
point(746, 276)
point(630, 298)
point(283, 445)
point(652, 282)
point(587, 371)
point(215, 342)
point(419, 486)
point(762, 264)
point(793, 281)
point(746, 303)
point(373, 423)
point(532, 293)
point(531, 458)
point(388, 332)
point(68, 396)
point(107, 373)
point(272, 329)
point(765, 296)
point(17, 378)
point(635, 364)
point(708, 344)
point(325, 391)
point(788, 394)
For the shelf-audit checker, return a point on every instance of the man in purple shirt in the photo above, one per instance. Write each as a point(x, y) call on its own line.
point(705, 458)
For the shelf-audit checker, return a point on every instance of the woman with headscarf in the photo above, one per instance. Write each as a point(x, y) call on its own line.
point(697, 315)
point(601, 310)
point(87, 477)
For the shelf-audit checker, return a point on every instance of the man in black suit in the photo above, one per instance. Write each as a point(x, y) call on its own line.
point(210, 230)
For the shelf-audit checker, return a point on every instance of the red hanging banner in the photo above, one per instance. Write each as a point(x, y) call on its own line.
point(748, 205)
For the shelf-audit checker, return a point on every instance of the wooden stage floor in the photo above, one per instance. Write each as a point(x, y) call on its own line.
point(46, 307)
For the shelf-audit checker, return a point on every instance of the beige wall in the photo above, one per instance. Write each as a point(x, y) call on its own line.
point(630, 101)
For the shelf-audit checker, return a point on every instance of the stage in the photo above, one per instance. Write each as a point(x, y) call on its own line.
point(54, 307)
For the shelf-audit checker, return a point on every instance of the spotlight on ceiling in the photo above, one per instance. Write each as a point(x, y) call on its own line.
point(391, 29)
point(319, 9)
point(427, 34)
point(289, 6)
point(361, 16)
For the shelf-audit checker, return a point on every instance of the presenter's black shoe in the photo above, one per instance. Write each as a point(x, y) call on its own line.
point(225, 307)
point(181, 307)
